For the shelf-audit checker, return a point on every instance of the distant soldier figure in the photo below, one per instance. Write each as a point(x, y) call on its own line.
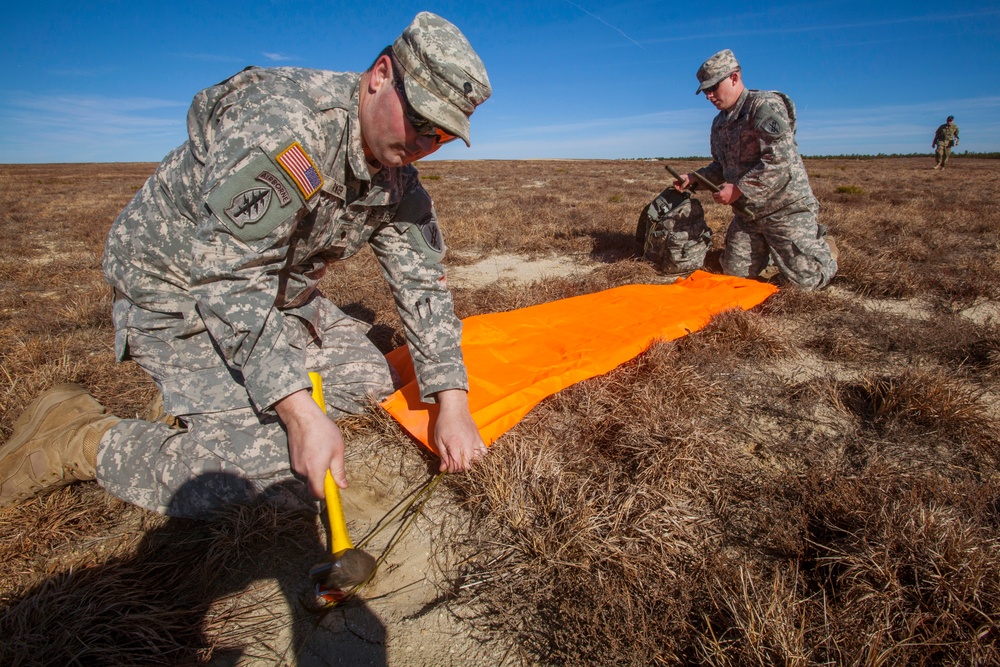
point(756, 163)
point(945, 137)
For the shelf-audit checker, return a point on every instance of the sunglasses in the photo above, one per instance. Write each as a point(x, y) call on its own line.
point(712, 89)
point(421, 125)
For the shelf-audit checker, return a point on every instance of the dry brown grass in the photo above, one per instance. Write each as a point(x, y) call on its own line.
point(811, 483)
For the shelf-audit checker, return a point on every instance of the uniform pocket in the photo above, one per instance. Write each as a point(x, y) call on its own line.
point(119, 315)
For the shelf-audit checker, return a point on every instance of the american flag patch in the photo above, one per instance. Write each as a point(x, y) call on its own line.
point(302, 170)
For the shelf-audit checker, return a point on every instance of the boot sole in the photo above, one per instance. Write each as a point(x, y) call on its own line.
point(23, 432)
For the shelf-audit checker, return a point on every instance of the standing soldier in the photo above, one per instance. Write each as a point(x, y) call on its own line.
point(945, 137)
point(215, 265)
point(756, 163)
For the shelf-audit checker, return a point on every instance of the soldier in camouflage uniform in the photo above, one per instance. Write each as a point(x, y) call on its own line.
point(945, 137)
point(215, 265)
point(756, 163)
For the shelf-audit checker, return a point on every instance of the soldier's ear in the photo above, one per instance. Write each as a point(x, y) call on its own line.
point(380, 74)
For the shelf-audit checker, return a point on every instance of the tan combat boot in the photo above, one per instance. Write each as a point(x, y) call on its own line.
point(834, 250)
point(155, 412)
point(54, 443)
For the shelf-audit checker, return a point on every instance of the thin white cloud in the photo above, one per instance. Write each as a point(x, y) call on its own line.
point(905, 128)
point(81, 72)
point(600, 126)
point(865, 131)
point(801, 27)
point(598, 18)
point(279, 57)
point(664, 133)
point(87, 128)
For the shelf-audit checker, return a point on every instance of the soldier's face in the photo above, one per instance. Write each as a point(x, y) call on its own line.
point(725, 93)
point(386, 134)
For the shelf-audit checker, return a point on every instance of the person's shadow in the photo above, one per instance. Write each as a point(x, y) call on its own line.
point(217, 591)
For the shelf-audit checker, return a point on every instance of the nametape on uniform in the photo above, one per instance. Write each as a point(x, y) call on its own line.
point(301, 168)
point(339, 190)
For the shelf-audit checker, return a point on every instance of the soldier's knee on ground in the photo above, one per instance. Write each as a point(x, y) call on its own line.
point(811, 272)
point(734, 266)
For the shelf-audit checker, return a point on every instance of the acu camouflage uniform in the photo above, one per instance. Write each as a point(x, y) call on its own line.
point(753, 147)
point(945, 137)
point(215, 264)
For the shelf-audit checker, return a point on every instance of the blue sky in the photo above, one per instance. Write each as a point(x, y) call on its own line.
point(111, 81)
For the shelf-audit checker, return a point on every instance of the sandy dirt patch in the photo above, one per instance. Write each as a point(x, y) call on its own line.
point(983, 311)
point(402, 617)
point(518, 269)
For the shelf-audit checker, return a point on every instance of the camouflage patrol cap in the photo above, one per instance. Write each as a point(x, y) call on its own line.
point(951, 118)
point(445, 80)
point(716, 68)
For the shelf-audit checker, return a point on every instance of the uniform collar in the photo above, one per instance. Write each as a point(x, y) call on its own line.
point(734, 111)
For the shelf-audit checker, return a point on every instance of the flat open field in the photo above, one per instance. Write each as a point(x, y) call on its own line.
point(813, 482)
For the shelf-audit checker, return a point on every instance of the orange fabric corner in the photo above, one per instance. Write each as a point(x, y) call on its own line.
point(517, 358)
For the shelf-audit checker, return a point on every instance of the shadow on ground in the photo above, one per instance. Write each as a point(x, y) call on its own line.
point(230, 590)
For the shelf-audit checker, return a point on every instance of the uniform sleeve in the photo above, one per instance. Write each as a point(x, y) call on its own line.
point(776, 143)
point(242, 246)
point(410, 249)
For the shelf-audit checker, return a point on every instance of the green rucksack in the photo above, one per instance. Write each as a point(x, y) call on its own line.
point(672, 234)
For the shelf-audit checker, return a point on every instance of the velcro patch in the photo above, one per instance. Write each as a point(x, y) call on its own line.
point(301, 168)
point(432, 234)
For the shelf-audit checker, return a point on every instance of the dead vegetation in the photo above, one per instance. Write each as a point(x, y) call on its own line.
point(811, 483)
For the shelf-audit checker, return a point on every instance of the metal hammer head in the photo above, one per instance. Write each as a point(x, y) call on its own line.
point(344, 569)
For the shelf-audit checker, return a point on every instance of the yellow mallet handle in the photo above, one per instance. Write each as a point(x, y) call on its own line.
point(340, 540)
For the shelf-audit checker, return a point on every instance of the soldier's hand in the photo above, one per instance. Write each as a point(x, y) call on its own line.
point(683, 183)
point(727, 194)
point(456, 434)
point(315, 444)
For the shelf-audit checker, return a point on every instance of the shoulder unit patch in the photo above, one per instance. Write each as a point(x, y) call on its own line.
point(279, 188)
point(772, 125)
point(255, 199)
point(301, 169)
point(249, 206)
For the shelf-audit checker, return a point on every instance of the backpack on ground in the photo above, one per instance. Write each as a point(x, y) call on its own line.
point(672, 234)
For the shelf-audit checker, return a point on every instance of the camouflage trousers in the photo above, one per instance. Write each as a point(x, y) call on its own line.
point(790, 237)
point(941, 155)
point(226, 451)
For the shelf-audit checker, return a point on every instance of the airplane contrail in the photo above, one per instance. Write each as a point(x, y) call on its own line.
point(615, 28)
